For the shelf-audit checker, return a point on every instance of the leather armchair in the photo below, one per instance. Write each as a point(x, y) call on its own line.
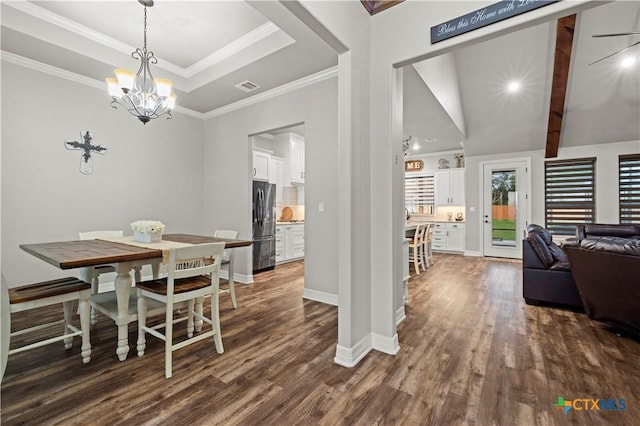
point(606, 267)
point(596, 230)
point(546, 273)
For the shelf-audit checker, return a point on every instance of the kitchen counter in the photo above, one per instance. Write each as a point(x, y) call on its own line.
point(448, 236)
point(291, 222)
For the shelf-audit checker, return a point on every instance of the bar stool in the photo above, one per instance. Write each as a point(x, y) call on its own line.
point(427, 250)
point(416, 247)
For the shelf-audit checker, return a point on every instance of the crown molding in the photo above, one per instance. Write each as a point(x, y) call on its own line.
point(88, 81)
point(76, 78)
point(277, 91)
point(51, 70)
point(231, 49)
point(86, 32)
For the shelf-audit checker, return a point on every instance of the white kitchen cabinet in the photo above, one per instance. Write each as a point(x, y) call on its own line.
point(279, 244)
point(290, 146)
point(289, 242)
point(297, 240)
point(276, 176)
point(261, 161)
point(448, 236)
point(449, 187)
point(297, 158)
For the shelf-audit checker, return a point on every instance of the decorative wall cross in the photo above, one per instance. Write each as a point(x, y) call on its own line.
point(86, 164)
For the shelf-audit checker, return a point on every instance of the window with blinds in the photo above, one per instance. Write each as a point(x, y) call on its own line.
point(629, 184)
point(569, 194)
point(419, 194)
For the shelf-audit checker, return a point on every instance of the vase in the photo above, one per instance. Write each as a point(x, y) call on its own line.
point(147, 237)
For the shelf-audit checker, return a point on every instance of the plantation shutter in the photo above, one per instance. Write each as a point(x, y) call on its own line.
point(569, 194)
point(629, 187)
point(419, 193)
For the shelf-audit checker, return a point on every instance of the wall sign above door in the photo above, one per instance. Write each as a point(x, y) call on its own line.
point(413, 165)
point(486, 16)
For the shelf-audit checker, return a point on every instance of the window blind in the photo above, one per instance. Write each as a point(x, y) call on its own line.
point(569, 194)
point(629, 187)
point(419, 194)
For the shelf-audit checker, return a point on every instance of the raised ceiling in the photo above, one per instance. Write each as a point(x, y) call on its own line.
point(602, 102)
point(205, 47)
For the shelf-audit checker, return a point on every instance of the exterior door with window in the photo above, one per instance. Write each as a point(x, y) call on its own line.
point(505, 210)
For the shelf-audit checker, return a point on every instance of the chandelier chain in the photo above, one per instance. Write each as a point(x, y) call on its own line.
point(145, 29)
point(140, 94)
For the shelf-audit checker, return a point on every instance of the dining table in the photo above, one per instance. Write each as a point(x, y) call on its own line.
point(124, 256)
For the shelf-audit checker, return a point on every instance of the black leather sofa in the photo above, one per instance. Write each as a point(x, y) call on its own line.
point(605, 260)
point(546, 273)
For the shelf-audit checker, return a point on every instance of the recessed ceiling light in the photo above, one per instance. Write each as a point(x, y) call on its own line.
point(415, 146)
point(514, 86)
point(627, 61)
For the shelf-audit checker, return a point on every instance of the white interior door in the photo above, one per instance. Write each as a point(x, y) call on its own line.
point(505, 207)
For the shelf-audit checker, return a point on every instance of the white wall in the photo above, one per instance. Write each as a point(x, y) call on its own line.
point(151, 171)
point(361, 327)
point(606, 184)
point(227, 155)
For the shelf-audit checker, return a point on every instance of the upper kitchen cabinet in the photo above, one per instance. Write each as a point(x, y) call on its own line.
point(276, 175)
point(261, 160)
point(449, 187)
point(291, 146)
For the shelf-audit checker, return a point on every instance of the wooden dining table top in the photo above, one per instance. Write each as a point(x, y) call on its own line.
point(78, 254)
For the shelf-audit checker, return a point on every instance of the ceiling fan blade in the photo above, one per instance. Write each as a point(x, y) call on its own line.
point(615, 53)
point(617, 34)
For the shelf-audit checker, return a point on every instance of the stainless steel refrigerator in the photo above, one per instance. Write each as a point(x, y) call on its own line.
point(264, 226)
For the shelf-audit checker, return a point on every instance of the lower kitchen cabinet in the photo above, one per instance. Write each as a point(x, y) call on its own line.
point(289, 242)
point(448, 236)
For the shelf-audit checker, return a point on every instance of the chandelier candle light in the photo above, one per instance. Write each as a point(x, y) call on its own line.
point(141, 94)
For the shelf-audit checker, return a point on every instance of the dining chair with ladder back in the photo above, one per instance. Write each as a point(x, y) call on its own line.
point(192, 274)
point(106, 302)
point(227, 259)
point(416, 247)
point(40, 295)
point(91, 274)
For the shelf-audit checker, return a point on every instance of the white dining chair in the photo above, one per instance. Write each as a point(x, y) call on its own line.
point(39, 295)
point(227, 260)
point(192, 274)
point(91, 274)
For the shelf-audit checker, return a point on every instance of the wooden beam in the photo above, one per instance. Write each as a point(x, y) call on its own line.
point(564, 43)
point(375, 6)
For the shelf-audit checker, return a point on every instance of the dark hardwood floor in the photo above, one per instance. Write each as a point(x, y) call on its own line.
point(472, 353)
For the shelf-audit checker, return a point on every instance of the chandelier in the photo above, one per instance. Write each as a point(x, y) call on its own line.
point(141, 94)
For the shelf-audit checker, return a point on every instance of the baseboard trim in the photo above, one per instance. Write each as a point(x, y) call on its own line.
point(320, 296)
point(473, 253)
point(400, 315)
point(237, 278)
point(350, 357)
point(388, 345)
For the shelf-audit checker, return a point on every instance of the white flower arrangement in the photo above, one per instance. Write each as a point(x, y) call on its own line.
point(148, 226)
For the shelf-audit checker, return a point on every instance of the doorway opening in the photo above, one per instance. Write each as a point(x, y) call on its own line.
point(278, 196)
